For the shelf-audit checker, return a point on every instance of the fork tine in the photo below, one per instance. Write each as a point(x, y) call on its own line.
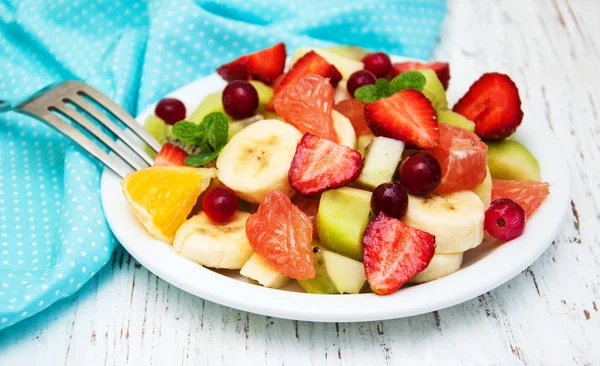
point(94, 130)
point(84, 142)
point(119, 113)
point(103, 119)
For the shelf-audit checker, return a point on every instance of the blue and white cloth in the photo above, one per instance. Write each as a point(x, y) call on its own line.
point(53, 236)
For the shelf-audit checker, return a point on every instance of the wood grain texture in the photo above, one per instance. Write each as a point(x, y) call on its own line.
point(546, 315)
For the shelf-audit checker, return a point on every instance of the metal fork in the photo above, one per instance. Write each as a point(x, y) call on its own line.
point(58, 99)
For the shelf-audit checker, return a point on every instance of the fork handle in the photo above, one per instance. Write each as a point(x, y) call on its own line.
point(4, 106)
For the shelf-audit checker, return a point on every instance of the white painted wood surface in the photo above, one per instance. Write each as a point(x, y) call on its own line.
point(546, 315)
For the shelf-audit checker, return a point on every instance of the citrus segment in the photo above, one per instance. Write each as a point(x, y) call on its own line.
point(354, 110)
point(162, 197)
point(529, 194)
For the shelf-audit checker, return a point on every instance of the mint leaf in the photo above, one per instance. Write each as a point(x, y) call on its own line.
point(200, 159)
point(383, 88)
point(366, 93)
point(408, 80)
point(215, 130)
point(187, 132)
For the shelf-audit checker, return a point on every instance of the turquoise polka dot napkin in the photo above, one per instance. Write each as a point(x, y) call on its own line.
point(53, 236)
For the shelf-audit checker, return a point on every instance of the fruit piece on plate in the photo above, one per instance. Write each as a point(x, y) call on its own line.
point(170, 155)
point(170, 110)
point(210, 104)
point(342, 218)
point(462, 157)
point(352, 52)
point(406, 116)
point(237, 126)
point(529, 194)
point(420, 173)
point(158, 129)
point(441, 265)
point(394, 253)
point(434, 90)
point(256, 161)
point(484, 190)
point(343, 129)
point(257, 269)
point(354, 110)
point(307, 106)
point(341, 92)
point(346, 66)
point(308, 65)
point(282, 234)
point(391, 199)
point(510, 160)
point(456, 219)
point(161, 198)
point(378, 63)
point(455, 119)
point(505, 219)
point(240, 99)
point(335, 274)
point(309, 206)
point(380, 163)
point(494, 105)
point(272, 115)
point(264, 65)
point(320, 164)
point(363, 142)
point(360, 79)
point(265, 94)
point(214, 245)
point(442, 69)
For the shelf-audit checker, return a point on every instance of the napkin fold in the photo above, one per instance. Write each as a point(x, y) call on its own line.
point(53, 235)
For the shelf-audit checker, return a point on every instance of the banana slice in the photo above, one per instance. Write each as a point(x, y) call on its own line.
point(341, 92)
point(214, 245)
point(484, 190)
point(257, 159)
point(440, 266)
point(257, 269)
point(344, 129)
point(456, 219)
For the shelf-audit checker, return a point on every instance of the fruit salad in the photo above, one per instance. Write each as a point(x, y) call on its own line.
point(345, 172)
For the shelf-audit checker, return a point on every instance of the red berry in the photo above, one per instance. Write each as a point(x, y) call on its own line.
point(264, 65)
point(170, 155)
point(240, 99)
point(420, 173)
point(391, 199)
point(220, 204)
point(442, 69)
point(170, 110)
point(504, 219)
point(378, 63)
point(360, 78)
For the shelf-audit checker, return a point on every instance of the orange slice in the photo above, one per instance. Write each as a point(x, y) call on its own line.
point(162, 197)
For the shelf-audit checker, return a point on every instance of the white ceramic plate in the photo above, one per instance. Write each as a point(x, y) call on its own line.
point(484, 268)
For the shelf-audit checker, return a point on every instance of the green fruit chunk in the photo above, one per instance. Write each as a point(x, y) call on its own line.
point(455, 119)
point(508, 159)
point(342, 218)
point(265, 94)
point(434, 90)
point(212, 103)
point(363, 142)
point(352, 52)
point(335, 274)
point(380, 163)
point(158, 129)
point(272, 115)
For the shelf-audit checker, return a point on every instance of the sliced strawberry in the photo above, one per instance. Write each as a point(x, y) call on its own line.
point(310, 206)
point(170, 155)
point(354, 110)
point(494, 104)
point(307, 106)
point(320, 164)
point(407, 116)
point(265, 65)
point(309, 64)
point(442, 69)
point(394, 253)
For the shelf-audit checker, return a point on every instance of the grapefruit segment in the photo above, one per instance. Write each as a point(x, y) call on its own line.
point(529, 194)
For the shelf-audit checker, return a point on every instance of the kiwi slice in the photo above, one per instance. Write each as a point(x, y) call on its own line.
point(212, 103)
point(158, 129)
point(453, 118)
point(434, 90)
point(509, 159)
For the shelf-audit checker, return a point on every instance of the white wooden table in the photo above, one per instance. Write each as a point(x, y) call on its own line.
point(549, 314)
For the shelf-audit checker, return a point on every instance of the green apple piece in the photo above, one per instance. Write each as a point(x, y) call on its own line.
point(346, 66)
point(265, 94)
point(455, 119)
point(211, 103)
point(484, 190)
point(380, 163)
point(434, 90)
point(352, 52)
point(335, 274)
point(257, 269)
point(509, 159)
point(342, 218)
point(362, 142)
